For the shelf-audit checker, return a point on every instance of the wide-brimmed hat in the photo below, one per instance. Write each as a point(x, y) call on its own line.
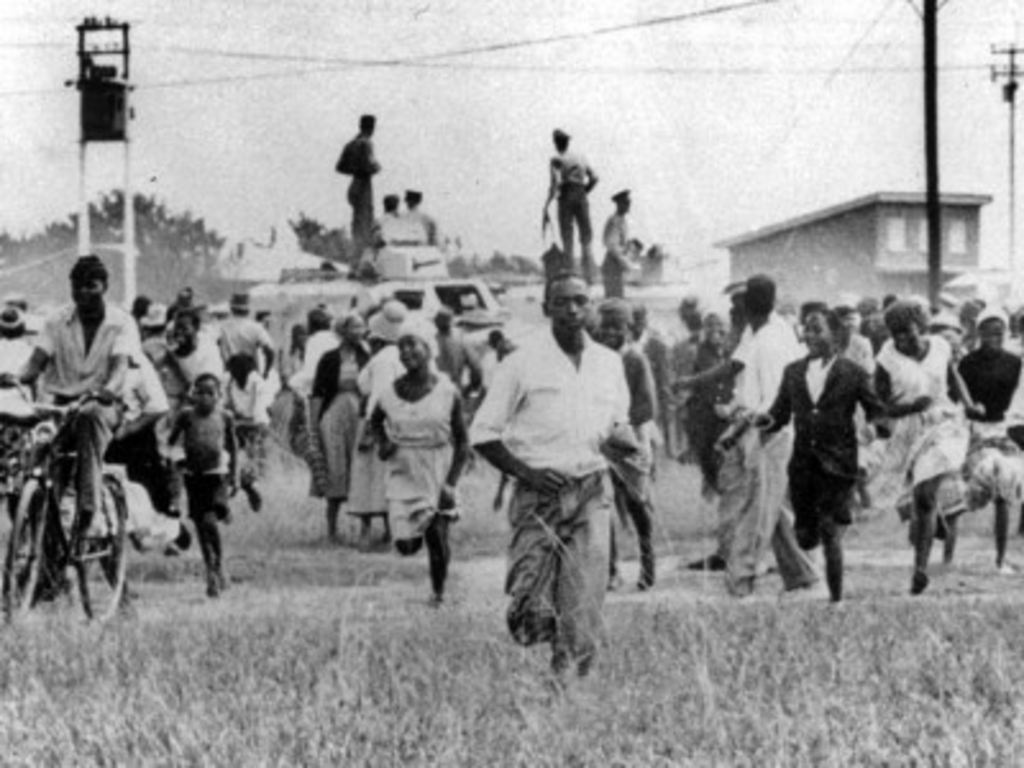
point(155, 317)
point(621, 196)
point(240, 301)
point(11, 319)
point(219, 310)
point(386, 324)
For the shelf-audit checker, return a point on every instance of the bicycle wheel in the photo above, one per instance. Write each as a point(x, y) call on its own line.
point(101, 562)
point(23, 563)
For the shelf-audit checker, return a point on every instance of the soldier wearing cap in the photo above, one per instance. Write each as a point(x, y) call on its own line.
point(359, 161)
point(413, 214)
point(572, 179)
point(616, 243)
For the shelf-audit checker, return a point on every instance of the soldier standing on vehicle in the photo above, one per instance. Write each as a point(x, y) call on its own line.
point(616, 243)
point(572, 179)
point(359, 161)
point(415, 215)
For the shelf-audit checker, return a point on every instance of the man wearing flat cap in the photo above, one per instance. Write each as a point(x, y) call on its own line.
point(616, 243)
point(572, 179)
point(359, 161)
point(414, 215)
point(84, 350)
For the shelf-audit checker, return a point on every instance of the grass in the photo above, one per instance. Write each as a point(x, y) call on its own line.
point(300, 666)
point(806, 686)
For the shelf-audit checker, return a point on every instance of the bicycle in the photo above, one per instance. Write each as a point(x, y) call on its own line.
point(49, 536)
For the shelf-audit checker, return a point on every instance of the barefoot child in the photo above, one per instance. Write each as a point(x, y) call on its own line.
point(820, 393)
point(210, 467)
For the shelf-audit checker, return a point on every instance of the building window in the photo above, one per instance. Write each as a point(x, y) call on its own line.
point(896, 234)
point(958, 236)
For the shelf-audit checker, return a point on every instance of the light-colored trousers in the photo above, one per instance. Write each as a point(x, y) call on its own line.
point(754, 511)
point(558, 565)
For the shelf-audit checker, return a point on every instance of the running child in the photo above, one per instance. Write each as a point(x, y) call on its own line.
point(210, 467)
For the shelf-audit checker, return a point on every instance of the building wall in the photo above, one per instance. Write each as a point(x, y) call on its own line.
point(867, 252)
point(903, 236)
point(823, 260)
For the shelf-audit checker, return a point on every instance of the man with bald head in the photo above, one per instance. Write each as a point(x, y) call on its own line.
point(552, 408)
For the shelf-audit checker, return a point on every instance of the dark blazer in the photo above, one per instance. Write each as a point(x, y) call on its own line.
point(825, 430)
point(328, 371)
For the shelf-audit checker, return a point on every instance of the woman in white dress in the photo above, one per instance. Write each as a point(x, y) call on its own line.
point(921, 472)
point(422, 435)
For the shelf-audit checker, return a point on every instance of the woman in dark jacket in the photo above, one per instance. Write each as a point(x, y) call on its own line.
point(334, 411)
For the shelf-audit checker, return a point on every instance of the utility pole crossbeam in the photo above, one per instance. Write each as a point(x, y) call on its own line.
point(1009, 72)
point(105, 115)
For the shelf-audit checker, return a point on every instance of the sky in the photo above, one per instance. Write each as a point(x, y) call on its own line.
point(719, 122)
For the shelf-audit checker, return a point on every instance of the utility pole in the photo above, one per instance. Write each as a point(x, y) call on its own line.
point(931, 149)
point(105, 115)
point(1009, 72)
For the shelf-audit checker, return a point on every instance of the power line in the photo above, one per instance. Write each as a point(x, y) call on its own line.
point(599, 32)
point(752, 71)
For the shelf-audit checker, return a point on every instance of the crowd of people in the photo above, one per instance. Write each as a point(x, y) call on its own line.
point(798, 422)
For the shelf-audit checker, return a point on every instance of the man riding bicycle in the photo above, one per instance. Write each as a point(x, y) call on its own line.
point(82, 355)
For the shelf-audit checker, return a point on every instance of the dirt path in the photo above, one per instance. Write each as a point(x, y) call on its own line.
point(397, 588)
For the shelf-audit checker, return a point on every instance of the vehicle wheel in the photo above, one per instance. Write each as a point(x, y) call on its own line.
point(101, 565)
point(23, 563)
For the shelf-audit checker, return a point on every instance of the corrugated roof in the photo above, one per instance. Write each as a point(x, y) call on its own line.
point(877, 198)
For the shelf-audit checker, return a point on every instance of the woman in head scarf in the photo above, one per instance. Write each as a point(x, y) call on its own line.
point(422, 435)
point(334, 411)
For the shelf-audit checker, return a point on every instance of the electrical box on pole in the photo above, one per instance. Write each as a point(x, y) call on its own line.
point(103, 81)
point(104, 85)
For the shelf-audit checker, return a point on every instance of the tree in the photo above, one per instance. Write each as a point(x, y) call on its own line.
point(174, 249)
point(315, 238)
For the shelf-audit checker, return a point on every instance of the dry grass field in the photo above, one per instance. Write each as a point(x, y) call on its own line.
point(323, 655)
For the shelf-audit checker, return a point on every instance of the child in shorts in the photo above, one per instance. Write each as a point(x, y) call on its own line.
point(210, 467)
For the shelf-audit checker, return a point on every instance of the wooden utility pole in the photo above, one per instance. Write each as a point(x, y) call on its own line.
point(1010, 73)
point(931, 149)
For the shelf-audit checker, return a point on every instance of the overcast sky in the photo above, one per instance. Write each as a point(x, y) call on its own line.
point(718, 124)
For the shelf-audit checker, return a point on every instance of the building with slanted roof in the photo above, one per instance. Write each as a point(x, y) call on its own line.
point(869, 246)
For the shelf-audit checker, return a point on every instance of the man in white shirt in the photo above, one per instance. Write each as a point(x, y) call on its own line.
point(753, 479)
point(550, 411)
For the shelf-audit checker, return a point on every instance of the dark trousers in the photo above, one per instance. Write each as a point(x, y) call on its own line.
point(641, 514)
point(208, 504)
point(821, 505)
point(574, 211)
point(439, 551)
point(144, 465)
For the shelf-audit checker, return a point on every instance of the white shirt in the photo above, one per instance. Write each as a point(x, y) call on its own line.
point(817, 373)
point(143, 393)
point(551, 415)
point(205, 358)
point(379, 373)
point(764, 356)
